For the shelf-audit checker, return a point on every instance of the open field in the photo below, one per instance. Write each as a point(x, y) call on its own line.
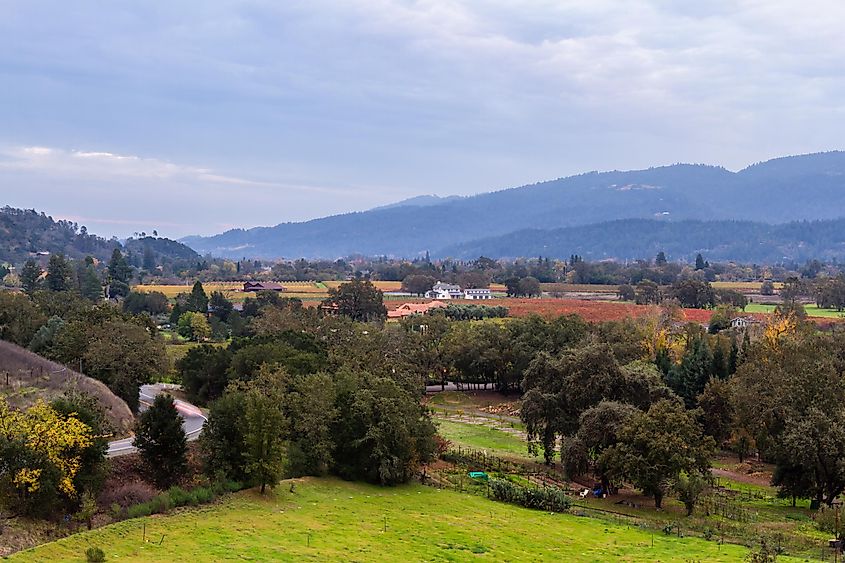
point(332, 520)
point(812, 310)
point(484, 437)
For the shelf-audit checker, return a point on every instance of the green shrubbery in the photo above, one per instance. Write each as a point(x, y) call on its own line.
point(552, 499)
point(175, 497)
point(95, 555)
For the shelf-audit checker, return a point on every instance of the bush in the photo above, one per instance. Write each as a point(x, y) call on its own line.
point(128, 494)
point(551, 499)
point(95, 555)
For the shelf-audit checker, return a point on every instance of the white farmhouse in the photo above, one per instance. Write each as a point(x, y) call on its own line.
point(445, 291)
point(477, 294)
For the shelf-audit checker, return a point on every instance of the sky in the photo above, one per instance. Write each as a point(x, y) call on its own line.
point(194, 117)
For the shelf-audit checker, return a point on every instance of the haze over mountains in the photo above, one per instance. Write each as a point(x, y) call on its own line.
point(581, 214)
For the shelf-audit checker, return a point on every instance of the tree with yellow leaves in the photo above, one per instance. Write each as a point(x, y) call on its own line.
point(40, 455)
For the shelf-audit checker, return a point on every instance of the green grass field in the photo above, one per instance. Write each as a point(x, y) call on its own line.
point(812, 310)
point(482, 437)
point(332, 520)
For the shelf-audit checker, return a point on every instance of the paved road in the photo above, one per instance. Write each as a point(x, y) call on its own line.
point(192, 419)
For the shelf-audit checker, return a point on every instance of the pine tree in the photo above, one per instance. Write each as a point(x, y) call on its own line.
point(699, 262)
point(89, 282)
point(161, 441)
point(30, 275)
point(197, 300)
point(59, 274)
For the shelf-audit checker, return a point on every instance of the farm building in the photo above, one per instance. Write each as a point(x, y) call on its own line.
point(445, 291)
point(263, 286)
point(743, 322)
point(408, 309)
point(477, 294)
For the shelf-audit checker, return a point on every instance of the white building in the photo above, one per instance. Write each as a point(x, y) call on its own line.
point(445, 291)
point(477, 294)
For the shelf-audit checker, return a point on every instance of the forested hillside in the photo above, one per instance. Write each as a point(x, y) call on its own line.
point(743, 241)
point(26, 232)
point(809, 187)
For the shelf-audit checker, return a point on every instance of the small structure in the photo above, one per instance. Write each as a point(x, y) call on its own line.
point(445, 291)
point(408, 309)
point(743, 322)
point(263, 286)
point(480, 293)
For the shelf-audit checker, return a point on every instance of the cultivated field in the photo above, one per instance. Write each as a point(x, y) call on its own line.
point(811, 309)
point(333, 520)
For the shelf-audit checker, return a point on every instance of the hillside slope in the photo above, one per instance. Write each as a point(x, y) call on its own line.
point(31, 377)
point(26, 232)
point(805, 187)
point(744, 241)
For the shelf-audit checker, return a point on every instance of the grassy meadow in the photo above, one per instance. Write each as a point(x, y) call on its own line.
point(333, 520)
point(812, 310)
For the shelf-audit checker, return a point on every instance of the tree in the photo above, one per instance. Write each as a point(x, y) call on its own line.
point(688, 378)
point(220, 307)
point(689, 488)
point(559, 390)
point(600, 428)
point(223, 441)
point(382, 432)
point(699, 262)
point(123, 355)
point(194, 326)
point(265, 427)
point(693, 293)
point(647, 293)
point(310, 408)
point(119, 273)
point(40, 456)
point(660, 259)
point(626, 292)
point(418, 283)
point(657, 446)
point(88, 281)
point(812, 448)
point(359, 300)
point(204, 372)
point(30, 276)
point(767, 288)
point(529, 287)
point(20, 319)
point(717, 410)
point(59, 274)
point(197, 300)
point(161, 441)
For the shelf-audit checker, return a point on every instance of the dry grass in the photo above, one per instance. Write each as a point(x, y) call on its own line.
point(26, 377)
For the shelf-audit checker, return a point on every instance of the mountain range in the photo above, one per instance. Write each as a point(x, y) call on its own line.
point(580, 214)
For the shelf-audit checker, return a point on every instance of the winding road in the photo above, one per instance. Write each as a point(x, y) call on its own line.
point(192, 419)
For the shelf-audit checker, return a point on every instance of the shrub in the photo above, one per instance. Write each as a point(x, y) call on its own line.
point(128, 494)
point(95, 555)
point(552, 499)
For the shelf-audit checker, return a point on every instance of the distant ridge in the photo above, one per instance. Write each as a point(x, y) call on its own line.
point(808, 187)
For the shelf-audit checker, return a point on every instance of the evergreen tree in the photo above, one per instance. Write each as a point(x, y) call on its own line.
point(699, 262)
point(59, 274)
point(30, 275)
point(161, 440)
point(197, 301)
point(688, 378)
point(89, 282)
point(266, 428)
point(660, 259)
point(119, 274)
point(733, 358)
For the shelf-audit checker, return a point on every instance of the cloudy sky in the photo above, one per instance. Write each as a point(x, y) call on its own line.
point(194, 117)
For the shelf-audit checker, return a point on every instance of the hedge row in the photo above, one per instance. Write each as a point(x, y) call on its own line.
point(551, 499)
